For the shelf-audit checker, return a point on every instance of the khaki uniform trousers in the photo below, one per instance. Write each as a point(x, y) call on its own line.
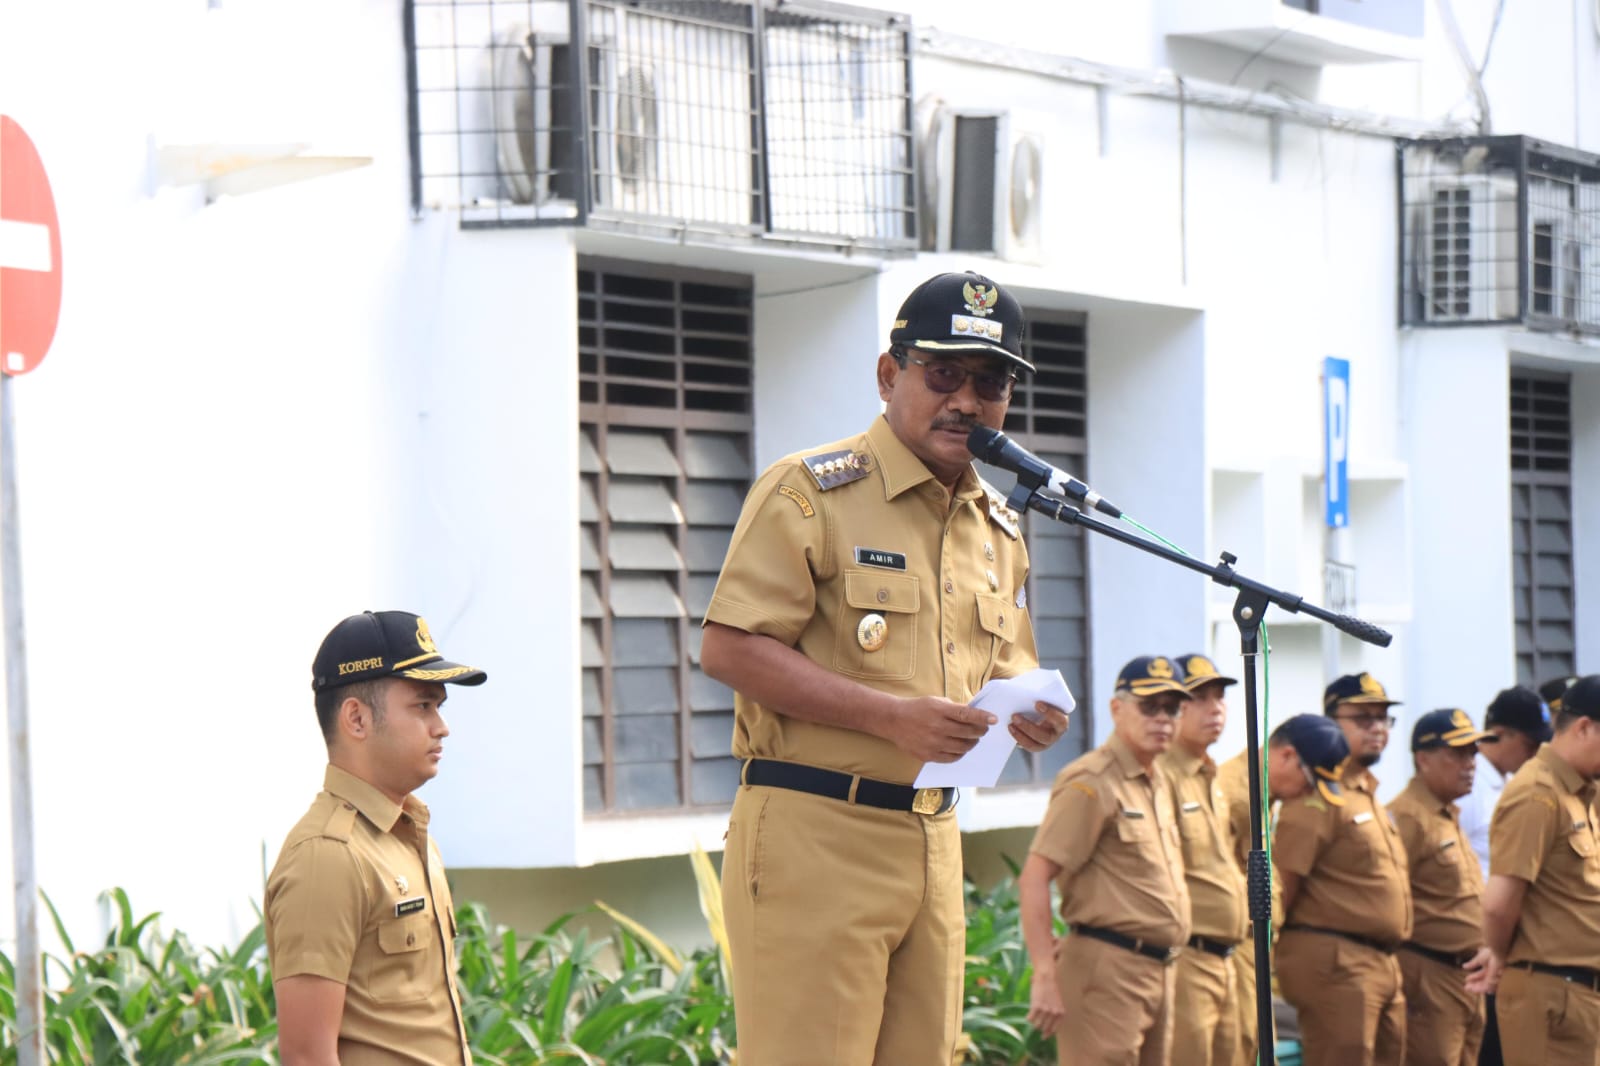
point(846, 931)
point(1545, 1021)
point(1243, 965)
point(1205, 1009)
point(1444, 1022)
point(1118, 1006)
point(1349, 998)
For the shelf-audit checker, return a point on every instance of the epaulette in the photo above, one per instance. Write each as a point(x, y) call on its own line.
point(1003, 516)
point(832, 469)
point(341, 823)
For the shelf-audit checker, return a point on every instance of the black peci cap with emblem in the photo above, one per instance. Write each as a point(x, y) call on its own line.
point(1150, 674)
point(961, 313)
point(1199, 671)
point(1354, 688)
point(375, 644)
point(1446, 728)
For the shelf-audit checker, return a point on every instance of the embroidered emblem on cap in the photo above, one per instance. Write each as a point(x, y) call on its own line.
point(1200, 666)
point(1370, 686)
point(980, 298)
point(1159, 667)
point(978, 327)
point(425, 639)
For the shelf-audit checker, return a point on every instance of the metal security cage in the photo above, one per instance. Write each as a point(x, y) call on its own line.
point(1499, 230)
point(731, 119)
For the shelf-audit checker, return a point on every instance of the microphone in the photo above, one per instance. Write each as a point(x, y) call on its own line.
point(997, 449)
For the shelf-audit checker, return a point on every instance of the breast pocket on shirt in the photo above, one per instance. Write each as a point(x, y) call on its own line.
point(403, 969)
point(877, 627)
point(997, 620)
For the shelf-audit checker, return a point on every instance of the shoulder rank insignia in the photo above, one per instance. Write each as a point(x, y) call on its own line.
point(1003, 516)
point(832, 469)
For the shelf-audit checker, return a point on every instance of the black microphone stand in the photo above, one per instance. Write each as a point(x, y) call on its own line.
point(1248, 610)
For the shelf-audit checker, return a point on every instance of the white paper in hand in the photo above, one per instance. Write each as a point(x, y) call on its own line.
point(980, 767)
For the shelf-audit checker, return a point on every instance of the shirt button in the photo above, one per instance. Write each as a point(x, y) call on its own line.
point(883, 595)
point(411, 939)
point(950, 648)
point(949, 586)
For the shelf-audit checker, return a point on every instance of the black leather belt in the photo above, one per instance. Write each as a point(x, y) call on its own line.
point(1212, 947)
point(848, 787)
point(1166, 956)
point(1354, 938)
point(1447, 958)
point(1578, 975)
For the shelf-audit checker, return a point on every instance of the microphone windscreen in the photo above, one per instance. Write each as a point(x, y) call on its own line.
point(984, 442)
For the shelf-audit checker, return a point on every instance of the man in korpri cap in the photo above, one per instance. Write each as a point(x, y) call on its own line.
point(359, 921)
point(1205, 1013)
point(1444, 1021)
point(1347, 899)
point(1110, 841)
point(1541, 911)
point(1305, 754)
point(871, 588)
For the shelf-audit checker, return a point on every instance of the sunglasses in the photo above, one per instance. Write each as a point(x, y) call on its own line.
point(1368, 721)
point(945, 378)
point(1152, 708)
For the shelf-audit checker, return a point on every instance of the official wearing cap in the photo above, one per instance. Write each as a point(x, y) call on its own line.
point(1347, 898)
point(872, 586)
point(1305, 754)
point(1444, 1021)
point(1110, 841)
point(1205, 1028)
point(1541, 911)
point(360, 926)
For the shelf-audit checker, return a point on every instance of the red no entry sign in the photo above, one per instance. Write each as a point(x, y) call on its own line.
point(30, 253)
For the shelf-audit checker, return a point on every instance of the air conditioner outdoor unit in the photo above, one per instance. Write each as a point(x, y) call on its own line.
point(1466, 251)
point(532, 117)
point(987, 186)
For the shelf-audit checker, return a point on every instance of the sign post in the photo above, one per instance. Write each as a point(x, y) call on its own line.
point(30, 304)
point(1338, 575)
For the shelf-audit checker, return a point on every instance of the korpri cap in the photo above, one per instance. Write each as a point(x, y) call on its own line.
point(1521, 709)
point(1354, 688)
point(1199, 670)
point(1448, 728)
point(375, 644)
point(1583, 697)
point(1321, 745)
point(1552, 691)
point(961, 313)
point(1150, 674)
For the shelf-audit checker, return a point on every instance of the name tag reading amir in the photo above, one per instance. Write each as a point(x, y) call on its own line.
point(1363, 818)
point(410, 906)
point(879, 557)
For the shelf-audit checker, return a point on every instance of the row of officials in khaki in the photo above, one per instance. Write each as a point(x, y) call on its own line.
point(872, 586)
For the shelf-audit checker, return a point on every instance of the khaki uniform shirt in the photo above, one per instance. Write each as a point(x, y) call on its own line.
point(1112, 829)
point(1351, 862)
point(1544, 832)
point(358, 896)
point(1218, 909)
point(1446, 880)
point(809, 566)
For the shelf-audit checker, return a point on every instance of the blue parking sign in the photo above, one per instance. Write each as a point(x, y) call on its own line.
point(1336, 441)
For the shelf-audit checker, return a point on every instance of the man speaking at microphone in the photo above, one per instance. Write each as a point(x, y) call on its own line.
point(872, 586)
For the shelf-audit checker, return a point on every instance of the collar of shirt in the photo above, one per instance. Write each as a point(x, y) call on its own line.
point(1361, 779)
point(1570, 779)
point(1126, 760)
point(1188, 764)
point(1424, 797)
point(373, 805)
point(902, 471)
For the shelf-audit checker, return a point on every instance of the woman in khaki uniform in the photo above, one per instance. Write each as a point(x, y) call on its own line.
point(1110, 840)
point(1541, 911)
point(871, 588)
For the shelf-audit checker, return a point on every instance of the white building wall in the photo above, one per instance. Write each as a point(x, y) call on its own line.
point(263, 413)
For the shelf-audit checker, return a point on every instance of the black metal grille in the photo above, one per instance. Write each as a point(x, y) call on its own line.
point(1499, 229)
point(1541, 525)
point(1048, 415)
point(711, 116)
point(664, 361)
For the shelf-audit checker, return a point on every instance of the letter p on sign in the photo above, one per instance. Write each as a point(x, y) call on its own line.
point(1336, 441)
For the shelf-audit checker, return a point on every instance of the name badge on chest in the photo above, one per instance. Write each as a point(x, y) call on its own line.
point(878, 557)
point(1363, 818)
point(413, 905)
